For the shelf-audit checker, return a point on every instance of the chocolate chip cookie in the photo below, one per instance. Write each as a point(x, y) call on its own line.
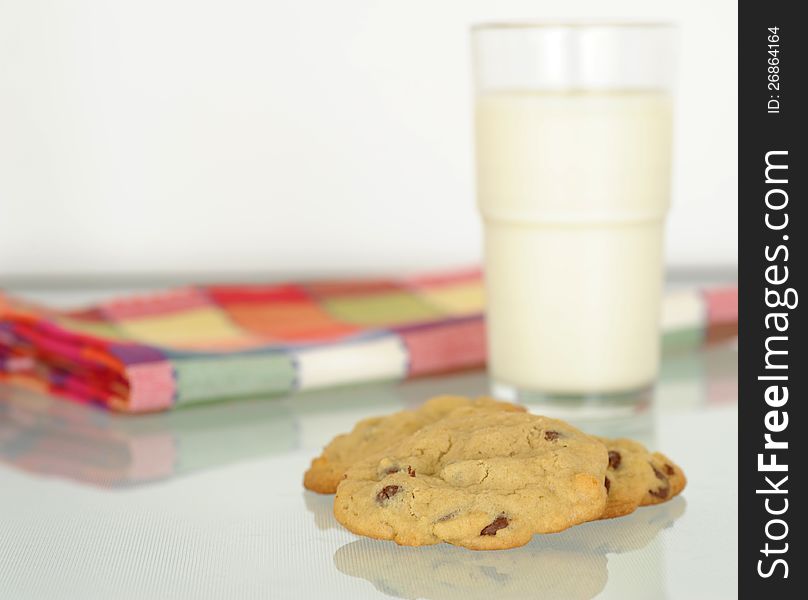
point(636, 477)
point(479, 479)
point(373, 435)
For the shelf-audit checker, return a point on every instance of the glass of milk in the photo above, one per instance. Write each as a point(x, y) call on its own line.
point(573, 140)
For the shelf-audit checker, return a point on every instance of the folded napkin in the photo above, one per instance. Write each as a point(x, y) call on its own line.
point(198, 344)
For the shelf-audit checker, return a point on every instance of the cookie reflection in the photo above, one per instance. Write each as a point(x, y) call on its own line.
point(447, 572)
point(568, 565)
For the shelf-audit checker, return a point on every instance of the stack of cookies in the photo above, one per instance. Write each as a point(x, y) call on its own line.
point(482, 474)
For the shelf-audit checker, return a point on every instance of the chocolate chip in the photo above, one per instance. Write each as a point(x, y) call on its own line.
point(551, 435)
point(391, 470)
point(669, 469)
point(410, 471)
point(387, 492)
point(664, 490)
point(659, 474)
point(499, 523)
point(614, 459)
point(607, 483)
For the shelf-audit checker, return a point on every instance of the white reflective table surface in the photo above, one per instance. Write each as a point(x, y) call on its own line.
point(208, 503)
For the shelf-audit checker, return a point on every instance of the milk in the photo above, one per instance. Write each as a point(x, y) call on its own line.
point(573, 188)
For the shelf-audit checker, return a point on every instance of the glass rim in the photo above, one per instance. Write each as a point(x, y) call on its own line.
point(572, 24)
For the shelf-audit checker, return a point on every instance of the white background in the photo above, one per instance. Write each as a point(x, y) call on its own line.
point(212, 136)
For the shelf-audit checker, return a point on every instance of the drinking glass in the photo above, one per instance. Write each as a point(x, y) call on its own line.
point(573, 145)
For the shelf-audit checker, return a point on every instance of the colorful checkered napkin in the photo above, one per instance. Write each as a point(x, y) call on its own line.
point(199, 344)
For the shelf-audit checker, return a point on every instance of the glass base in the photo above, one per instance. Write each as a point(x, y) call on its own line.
point(577, 406)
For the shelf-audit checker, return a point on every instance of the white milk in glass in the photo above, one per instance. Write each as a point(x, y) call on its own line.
point(573, 188)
